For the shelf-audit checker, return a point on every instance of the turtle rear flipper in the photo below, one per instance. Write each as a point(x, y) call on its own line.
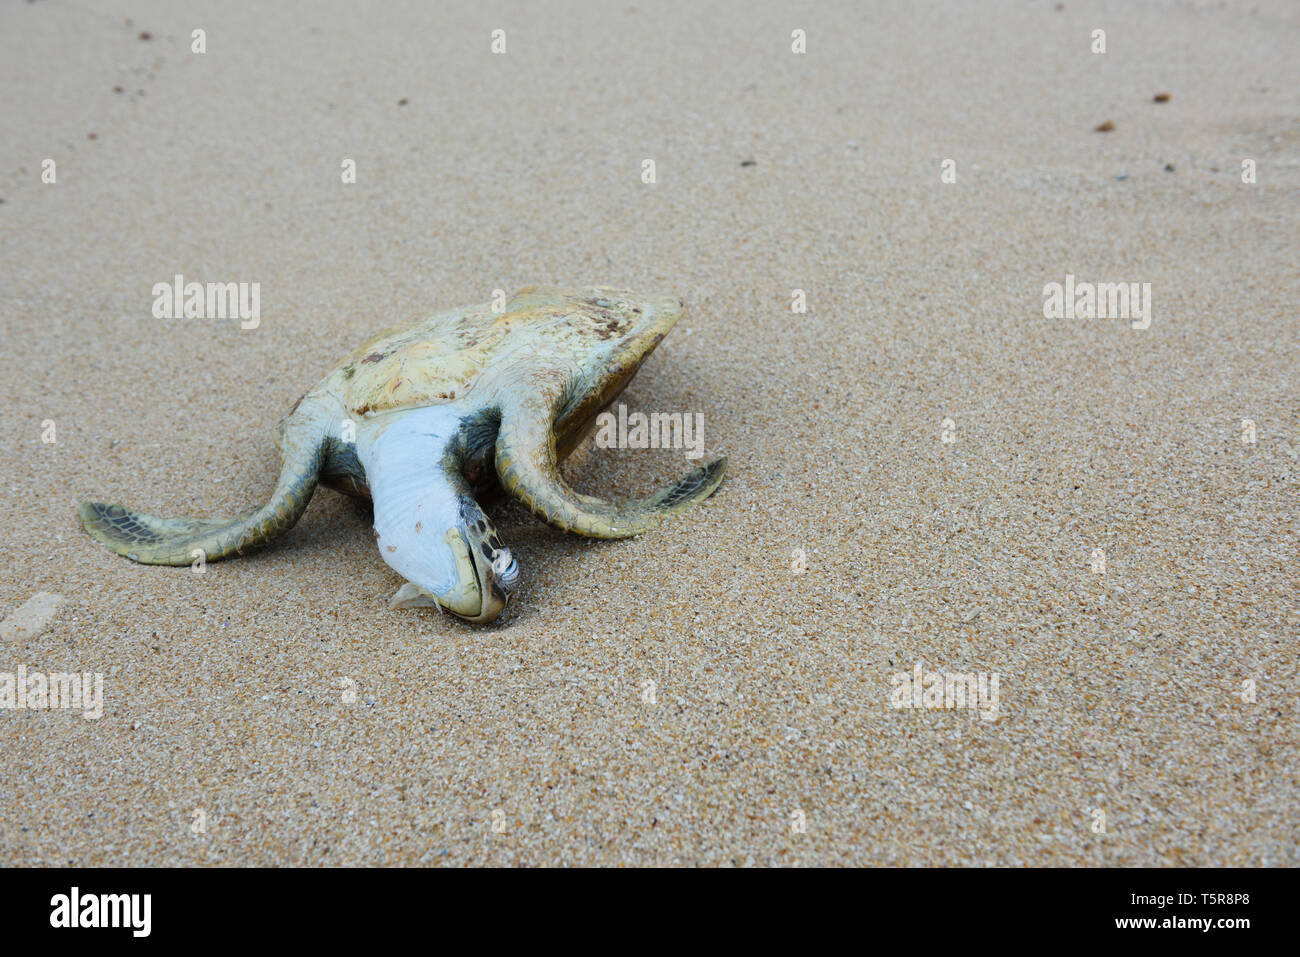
point(174, 541)
point(526, 463)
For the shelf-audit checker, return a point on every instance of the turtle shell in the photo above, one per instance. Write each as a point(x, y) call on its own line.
point(591, 340)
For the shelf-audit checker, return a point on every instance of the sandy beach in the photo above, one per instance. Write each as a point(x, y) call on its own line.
point(928, 475)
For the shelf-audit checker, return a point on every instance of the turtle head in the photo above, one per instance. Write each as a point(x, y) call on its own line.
point(428, 527)
point(468, 572)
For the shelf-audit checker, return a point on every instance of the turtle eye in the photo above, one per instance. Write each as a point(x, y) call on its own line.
point(505, 568)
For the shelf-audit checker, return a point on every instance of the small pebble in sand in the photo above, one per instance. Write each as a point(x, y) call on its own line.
point(146, 35)
point(402, 101)
point(748, 163)
point(117, 89)
point(92, 136)
point(1162, 97)
point(32, 617)
point(1106, 127)
point(1169, 167)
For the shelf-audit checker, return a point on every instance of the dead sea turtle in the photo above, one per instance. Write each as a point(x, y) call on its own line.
point(423, 418)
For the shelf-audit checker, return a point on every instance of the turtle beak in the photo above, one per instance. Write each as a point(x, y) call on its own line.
point(489, 596)
point(479, 593)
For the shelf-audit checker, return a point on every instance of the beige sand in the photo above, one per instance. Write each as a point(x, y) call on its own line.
point(1121, 691)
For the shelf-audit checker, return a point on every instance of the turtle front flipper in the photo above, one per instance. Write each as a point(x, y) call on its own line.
point(526, 462)
point(177, 541)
